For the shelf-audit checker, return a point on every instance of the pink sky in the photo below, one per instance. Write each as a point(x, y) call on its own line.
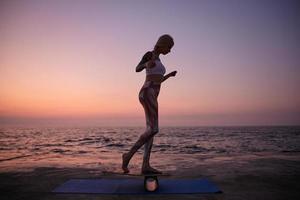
point(64, 62)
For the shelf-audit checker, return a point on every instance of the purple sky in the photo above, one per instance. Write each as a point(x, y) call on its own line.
point(72, 62)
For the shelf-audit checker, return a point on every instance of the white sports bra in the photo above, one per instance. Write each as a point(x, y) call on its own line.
point(159, 68)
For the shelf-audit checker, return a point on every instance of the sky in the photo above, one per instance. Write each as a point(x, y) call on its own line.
point(73, 62)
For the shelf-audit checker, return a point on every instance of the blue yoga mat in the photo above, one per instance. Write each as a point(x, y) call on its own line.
point(136, 186)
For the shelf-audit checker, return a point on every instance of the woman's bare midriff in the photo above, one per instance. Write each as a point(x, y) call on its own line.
point(157, 78)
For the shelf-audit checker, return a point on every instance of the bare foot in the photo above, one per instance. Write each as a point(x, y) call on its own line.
point(125, 161)
point(150, 170)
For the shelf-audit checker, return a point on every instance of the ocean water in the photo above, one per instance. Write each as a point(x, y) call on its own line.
point(101, 147)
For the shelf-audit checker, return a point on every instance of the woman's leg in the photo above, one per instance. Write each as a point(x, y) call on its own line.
point(147, 136)
point(147, 152)
point(151, 112)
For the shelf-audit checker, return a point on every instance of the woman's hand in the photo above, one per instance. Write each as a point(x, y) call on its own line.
point(173, 73)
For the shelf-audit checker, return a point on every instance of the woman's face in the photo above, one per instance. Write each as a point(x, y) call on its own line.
point(166, 49)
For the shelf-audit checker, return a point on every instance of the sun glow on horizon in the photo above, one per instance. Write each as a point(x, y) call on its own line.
point(77, 60)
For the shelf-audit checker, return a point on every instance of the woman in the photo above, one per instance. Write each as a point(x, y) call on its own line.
point(148, 94)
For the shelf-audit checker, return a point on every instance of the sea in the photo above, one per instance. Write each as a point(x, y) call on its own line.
point(24, 149)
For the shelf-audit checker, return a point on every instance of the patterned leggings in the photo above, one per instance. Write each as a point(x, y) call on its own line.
point(148, 98)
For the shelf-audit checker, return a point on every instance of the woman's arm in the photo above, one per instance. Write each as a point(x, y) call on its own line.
point(142, 63)
point(140, 67)
point(169, 75)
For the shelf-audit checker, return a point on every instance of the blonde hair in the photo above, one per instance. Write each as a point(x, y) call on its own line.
point(164, 40)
